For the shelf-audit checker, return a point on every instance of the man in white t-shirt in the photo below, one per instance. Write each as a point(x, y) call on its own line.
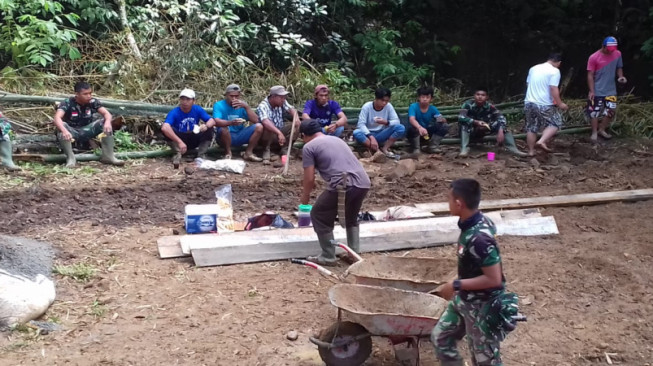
point(542, 104)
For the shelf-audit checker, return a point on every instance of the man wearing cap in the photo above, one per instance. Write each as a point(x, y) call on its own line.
point(602, 66)
point(183, 129)
point(542, 103)
point(331, 158)
point(231, 115)
point(378, 124)
point(270, 113)
point(74, 122)
point(322, 109)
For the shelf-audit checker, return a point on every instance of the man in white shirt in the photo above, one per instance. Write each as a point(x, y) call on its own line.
point(542, 103)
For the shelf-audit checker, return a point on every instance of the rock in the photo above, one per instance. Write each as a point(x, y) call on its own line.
point(274, 158)
point(365, 154)
point(189, 170)
point(565, 169)
point(277, 164)
point(292, 335)
point(535, 163)
point(26, 291)
point(553, 160)
point(379, 157)
point(143, 230)
point(175, 232)
point(405, 168)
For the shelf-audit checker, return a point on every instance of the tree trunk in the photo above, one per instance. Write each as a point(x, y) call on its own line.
point(125, 25)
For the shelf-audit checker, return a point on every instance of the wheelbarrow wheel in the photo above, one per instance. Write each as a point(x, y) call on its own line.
point(354, 352)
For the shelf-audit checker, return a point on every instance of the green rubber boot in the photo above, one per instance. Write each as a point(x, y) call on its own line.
point(328, 256)
point(67, 148)
point(5, 156)
point(511, 146)
point(464, 143)
point(353, 239)
point(414, 145)
point(108, 157)
point(434, 144)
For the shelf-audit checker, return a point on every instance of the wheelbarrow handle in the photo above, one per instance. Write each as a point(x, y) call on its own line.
point(319, 268)
point(347, 249)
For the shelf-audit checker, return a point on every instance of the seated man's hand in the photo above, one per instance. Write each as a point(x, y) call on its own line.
point(374, 145)
point(108, 129)
point(182, 147)
point(203, 128)
point(441, 119)
point(66, 135)
point(482, 124)
point(380, 120)
point(331, 128)
point(282, 139)
point(422, 131)
point(500, 136)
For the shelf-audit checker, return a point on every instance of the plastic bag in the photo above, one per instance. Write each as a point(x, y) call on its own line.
point(267, 219)
point(225, 219)
point(227, 165)
point(404, 212)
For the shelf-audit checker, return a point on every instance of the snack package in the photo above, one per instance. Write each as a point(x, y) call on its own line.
point(225, 218)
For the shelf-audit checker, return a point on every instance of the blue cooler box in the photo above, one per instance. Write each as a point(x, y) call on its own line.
point(201, 219)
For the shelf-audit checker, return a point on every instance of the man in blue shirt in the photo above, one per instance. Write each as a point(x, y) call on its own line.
point(183, 130)
point(322, 109)
point(425, 122)
point(234, 113)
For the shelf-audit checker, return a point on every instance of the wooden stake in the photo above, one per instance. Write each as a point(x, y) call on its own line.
point(295, 119)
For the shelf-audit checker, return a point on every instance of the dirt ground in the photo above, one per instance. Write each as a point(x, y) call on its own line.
point(586, 292)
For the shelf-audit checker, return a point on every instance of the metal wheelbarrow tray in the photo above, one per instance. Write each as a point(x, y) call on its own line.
point(414, 274)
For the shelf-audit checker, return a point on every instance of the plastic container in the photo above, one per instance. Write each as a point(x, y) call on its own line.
point(490, 156)
point(304, 215)
point(284, 158)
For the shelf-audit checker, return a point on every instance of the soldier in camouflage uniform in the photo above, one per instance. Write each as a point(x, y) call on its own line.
point(5, 145)
point(479, 118)
point(480, 309)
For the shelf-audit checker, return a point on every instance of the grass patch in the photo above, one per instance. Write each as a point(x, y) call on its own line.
point(43, 170)
point(97, 309)
point(81, 272)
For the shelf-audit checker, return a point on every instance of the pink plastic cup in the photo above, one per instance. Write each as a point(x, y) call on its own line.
point(490, 156)
point(284, 158)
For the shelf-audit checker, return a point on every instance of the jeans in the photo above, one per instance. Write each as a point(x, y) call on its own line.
point(393, 131)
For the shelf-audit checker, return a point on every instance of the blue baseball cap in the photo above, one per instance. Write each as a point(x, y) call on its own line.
point(610, 43)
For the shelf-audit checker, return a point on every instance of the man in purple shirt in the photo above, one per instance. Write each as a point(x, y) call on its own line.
point(323, 110)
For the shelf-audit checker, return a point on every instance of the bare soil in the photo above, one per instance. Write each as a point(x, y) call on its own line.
point(586, 292)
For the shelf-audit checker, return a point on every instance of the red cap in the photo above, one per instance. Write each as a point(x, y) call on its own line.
point(321, 87)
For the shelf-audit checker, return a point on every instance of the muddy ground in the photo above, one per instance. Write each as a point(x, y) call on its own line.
point(586, 291)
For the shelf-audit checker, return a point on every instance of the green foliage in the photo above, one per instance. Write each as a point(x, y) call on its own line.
point(389, 60)
point(34, 30)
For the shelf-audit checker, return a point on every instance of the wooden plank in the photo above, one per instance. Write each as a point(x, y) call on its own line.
point(169, 247)
point(533, 226)
point(253, 246)
point(567, 200)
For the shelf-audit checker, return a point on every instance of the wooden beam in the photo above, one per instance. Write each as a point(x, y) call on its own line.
point(256, 246)
point(567, 200)
point(170, 246)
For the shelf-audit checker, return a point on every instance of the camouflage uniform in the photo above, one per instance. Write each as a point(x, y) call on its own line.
point(482, 314)
point(488, 113)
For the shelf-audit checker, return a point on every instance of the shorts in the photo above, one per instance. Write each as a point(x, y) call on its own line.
point(601, 107)
point(538, 116)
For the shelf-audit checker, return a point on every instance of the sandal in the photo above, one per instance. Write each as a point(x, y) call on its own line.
point(390, 154)
point(605, 135)
point(227, 157)
point(252, 157)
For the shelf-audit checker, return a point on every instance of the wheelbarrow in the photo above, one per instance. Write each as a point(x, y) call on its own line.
point(404, 317)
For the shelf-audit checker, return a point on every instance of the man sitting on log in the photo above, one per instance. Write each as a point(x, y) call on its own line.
point(378, 124)
point(74, 122)
point(234, 112)
point(479, 118)
point(270, 112)
point(6, 160)
point(344, 175)
point(183, 130)
point(425, 122)
point(323, 109)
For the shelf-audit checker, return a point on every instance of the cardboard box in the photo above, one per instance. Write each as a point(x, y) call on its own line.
point(201, 219)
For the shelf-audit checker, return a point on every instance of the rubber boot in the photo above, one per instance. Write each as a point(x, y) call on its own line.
point(464, 144)
point(202, 149)
point(67, 148)
point(5, 156)
point(108, 157)
point(328, 255)
point(434, 144)
point(414, 145)
point(353, 239)
point(511, 146)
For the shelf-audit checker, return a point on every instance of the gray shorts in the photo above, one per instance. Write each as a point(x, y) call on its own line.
point(539, 116)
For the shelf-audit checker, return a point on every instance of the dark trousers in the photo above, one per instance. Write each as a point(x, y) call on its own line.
point(437, 128)
point(193, 140)
point(325, 209)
